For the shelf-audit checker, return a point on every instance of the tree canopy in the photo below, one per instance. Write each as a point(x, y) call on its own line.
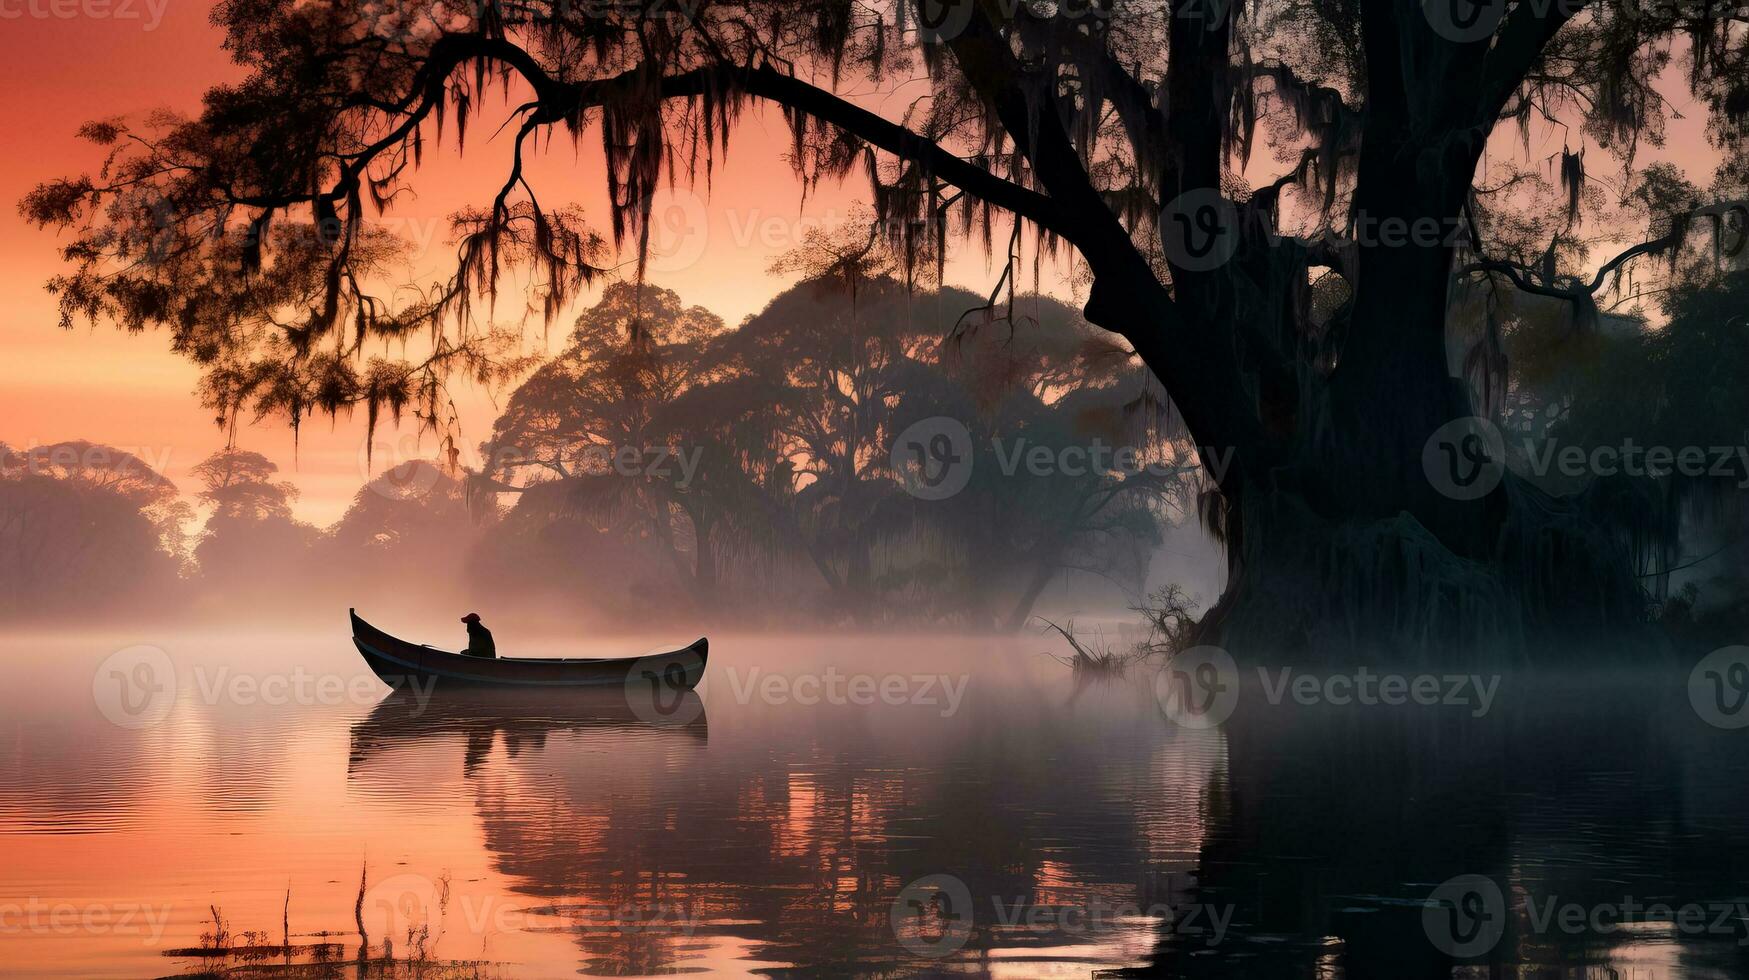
point(1269, 203)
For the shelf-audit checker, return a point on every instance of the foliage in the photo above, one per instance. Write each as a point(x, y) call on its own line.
point(83, 524)
point(687, 456)
point(250, 232)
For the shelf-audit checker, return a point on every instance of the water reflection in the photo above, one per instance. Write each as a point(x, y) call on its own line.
point(1036, 829)
point(1585, 802)
point(785, 838)
point(522, 720)
point(1294, 841)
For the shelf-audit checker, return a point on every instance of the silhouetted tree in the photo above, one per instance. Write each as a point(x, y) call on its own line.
point(1684, 515)
point(764, 452)
point(589, 434)
point(410, 524)
point(1118, 132)
point(86, 527)
point(251, 540)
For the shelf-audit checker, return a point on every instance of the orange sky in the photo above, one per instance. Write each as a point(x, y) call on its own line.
point(130, 392)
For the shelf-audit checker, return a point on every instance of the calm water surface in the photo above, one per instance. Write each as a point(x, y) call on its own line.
point(866, 806)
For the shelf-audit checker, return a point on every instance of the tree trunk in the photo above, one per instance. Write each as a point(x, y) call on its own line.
point(1043, 573)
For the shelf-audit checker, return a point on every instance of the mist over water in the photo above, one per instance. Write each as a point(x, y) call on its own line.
point(852, 804)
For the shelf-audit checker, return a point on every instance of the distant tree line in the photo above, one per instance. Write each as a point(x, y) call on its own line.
point(664, 461)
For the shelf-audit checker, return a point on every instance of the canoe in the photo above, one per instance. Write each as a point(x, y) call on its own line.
point(398, 662)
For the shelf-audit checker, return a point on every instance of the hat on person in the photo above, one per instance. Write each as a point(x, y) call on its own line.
point(471, 618)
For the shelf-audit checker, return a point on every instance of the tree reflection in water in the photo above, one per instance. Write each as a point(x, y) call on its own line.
point(785, 837)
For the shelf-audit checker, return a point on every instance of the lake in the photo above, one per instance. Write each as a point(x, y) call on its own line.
point(231, 803)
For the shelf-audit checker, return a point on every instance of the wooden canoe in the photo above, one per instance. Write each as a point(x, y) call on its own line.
point(397, 662)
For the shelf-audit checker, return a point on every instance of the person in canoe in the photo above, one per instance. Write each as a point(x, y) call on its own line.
point(479, 638)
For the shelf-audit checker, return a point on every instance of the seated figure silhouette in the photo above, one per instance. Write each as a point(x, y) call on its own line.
point(479, 638)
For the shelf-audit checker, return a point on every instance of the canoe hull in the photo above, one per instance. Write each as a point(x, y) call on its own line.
point(399, 664)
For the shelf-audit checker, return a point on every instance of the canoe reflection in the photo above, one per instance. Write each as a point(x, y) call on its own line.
point(522, 719)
